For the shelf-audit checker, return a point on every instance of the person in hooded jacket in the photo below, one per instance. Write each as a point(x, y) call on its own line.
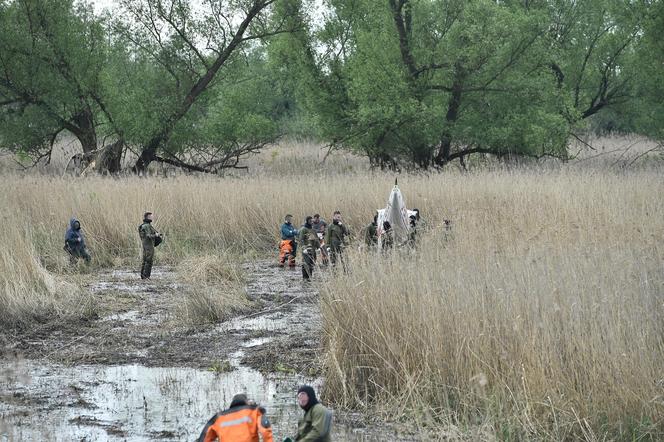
point(75, 242)
point(150, 238)
point(316, 424)
point(242, 422)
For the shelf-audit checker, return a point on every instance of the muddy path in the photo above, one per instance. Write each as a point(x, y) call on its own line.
point(134, 372)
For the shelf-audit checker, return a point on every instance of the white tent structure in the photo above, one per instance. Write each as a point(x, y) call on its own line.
point(397, 214)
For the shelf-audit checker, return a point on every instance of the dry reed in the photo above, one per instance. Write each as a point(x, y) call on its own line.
point(539, 317)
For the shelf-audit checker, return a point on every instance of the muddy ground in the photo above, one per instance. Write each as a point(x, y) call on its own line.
point(135, 372)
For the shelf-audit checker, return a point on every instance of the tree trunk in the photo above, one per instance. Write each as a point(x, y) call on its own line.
point(110, 158)
point(453, 106)
point(149, 152)
point(148, 155)
point(83, 128)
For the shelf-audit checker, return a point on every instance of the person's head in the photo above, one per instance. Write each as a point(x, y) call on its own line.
point(316, 218)
point(412, 220)
point(288, 219)
point(148, 217)
point(307, 220)
point(75, 224)
point(306, 397)
point(417, 214)
point(238, 400)
point(386, 225)
point(336, 217)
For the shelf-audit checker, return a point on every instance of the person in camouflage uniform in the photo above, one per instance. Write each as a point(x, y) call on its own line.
point(335, 238)
point(150, 238)
point(309, 244)
point(371, 233)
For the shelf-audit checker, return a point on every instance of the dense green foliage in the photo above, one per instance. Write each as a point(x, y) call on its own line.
point(406, 82)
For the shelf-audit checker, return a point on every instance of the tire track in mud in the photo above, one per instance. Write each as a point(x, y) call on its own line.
point(136, 323)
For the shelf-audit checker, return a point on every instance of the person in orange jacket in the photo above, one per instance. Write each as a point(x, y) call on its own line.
point(242, 422)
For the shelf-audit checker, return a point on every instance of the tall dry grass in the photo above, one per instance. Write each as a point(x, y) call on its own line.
point(541, 317)
point(214, 289)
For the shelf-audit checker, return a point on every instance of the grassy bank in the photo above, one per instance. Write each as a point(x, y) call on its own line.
point(540, 317)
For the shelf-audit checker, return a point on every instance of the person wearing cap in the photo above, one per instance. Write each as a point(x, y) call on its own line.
point(150, 238)
point(242, 422)
point(316, 424)
point(309, 242)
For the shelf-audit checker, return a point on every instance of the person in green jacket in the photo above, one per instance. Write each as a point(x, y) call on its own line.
point(309, 244)
point(371, 233)
point(149, 238)
point(335, 238)
point(316, 424)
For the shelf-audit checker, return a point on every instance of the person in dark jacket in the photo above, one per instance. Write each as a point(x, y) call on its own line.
point(371, 233)
point(150, 238)
point(75, 243)
point(309, 243)
point(387, 239)
point(336, 238)
point(316, 424)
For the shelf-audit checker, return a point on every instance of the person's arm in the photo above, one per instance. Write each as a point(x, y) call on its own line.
point(71, 238)
point(264, 427)
point(150, 232)
point(208, 434)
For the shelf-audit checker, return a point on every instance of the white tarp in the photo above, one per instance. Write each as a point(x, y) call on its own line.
point(397, 214)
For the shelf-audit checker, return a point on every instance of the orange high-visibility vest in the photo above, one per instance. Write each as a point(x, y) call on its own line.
point(238, 424)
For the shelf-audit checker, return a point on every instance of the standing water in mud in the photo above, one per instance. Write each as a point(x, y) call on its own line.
point(132, 374)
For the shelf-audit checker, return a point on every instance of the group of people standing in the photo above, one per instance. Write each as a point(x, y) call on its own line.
point(316, 235)
point(76, 247)
point(313, 236)
point(244, 421)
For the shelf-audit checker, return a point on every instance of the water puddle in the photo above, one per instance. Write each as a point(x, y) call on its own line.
point(128, 401)
point(132, 402)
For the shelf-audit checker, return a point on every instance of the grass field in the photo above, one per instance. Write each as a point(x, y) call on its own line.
point(539, 317)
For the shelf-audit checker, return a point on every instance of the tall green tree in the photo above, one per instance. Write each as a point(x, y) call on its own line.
point(429, 81)
point(183, 48)
point(52, 58)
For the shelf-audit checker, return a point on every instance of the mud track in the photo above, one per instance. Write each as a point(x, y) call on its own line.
point(134, 372)
point(136, 324)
